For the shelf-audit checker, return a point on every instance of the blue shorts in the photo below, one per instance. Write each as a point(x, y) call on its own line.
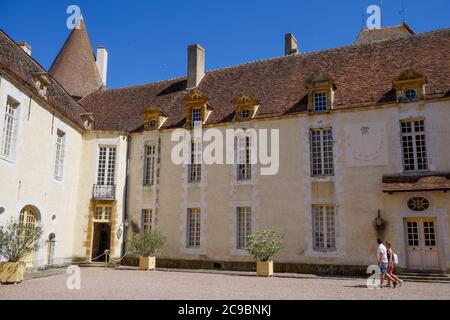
point(383, 267)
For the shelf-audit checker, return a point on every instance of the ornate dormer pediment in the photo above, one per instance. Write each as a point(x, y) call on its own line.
point(245, 107)
point(321, 90)
point(41, 82)
point(153, 118)
point(410, 86)
point(198, 108)
point(88, 120)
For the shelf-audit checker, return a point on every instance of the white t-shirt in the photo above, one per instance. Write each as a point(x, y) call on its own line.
point(383, 251)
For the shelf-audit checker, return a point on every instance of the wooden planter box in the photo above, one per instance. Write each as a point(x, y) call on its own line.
point(12, 272)
point(264, 268)
point(147, 263)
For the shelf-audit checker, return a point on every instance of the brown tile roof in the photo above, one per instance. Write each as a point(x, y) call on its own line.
point(376, 35)
point(363, 75)
point(17, 63)
point(413, 183)
point(74, 66)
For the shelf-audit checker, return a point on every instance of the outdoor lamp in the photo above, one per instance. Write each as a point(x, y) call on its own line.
point(379, 221)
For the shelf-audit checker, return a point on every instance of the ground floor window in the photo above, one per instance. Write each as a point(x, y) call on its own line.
point(324, 227)
point(243, 226)
point(193, 228)
point(146, 220)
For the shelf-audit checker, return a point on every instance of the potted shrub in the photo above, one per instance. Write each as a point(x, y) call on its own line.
point(17, 242)
point(147, 245)
point(263, 245)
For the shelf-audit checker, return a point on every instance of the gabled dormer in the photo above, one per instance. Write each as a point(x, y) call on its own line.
point(197, 108)
point(410, 86)
point(321, 91)
point(41, 82)
point(245, 107)
point(153, 118)
point(88, 120)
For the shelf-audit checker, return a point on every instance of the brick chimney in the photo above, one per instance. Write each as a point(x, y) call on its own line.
point(102, 63)
point(196, 65)
point(290, 44)
point(25, 47)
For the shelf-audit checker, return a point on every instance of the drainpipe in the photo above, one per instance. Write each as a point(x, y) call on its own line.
point(125, 200)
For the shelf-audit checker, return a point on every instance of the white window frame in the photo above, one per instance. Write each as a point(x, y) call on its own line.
point(243, 226)
point(108, 178)
point(195, 165)
point(10, 129)
point(149, 165)
point(413, 141)
point(321, 152)
point(324, 219)
point(102, 214)
point(243, 153)
point(146, 220)
point(196, 117)
point(193, 228)
point(59, 154)
point(320, 101)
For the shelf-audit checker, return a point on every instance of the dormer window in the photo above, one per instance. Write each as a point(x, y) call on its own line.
point(410, 86)
point(245, 114)
point(320, 101)
point(41, 82)
point(410, 94)
point(321, 91)
point(196, 118)
point(245, 107)
point(152, 124)
point(197, 109)
point(153, 118)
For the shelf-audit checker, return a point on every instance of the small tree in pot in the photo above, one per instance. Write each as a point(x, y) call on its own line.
point(17, 242)
point(263, 245)
point(147, 245)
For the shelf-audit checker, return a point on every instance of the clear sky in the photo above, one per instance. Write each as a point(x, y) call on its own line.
point(147, 40)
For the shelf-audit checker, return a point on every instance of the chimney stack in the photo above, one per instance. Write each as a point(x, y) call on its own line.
point(102, 63)
point(25, 47)
point(196, 65)
point(290, 44)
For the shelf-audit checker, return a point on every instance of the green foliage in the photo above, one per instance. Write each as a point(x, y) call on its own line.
point(18, 241)
point(147, 244)
point(264, 244)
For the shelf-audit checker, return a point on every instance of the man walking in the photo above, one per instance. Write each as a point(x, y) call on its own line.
point(382, 260)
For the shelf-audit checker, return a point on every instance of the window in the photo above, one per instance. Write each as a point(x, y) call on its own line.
point(103, 213)
point(149, 165)
point(245, 114)
point(152, 124)
point(193, 228)
point(243, 226)
point(196, 117)
point(320, 101)
point(418, 204)
point(9, 128)
point(324, 228)
point(244, 168)
point(146, 220)
point(106, 166)
point(414, 145)
point(59, 157)
point(195, 167)
point(410, 94)
point(322, 152)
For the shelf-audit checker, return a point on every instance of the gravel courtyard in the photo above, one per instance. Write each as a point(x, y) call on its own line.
point(97, 283)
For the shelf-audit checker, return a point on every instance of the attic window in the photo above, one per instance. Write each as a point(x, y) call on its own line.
point(320, 101)
point(410, 94)
point(152, 124)
point(41, 82)
point(245, 114)
point(196, 117)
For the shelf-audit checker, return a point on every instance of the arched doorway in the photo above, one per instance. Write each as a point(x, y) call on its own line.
point(101, 240)
point(29, 217)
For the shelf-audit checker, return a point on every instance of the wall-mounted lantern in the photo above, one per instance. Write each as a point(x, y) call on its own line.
point(379, 221)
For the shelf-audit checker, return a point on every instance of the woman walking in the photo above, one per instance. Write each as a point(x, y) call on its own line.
point(391, 266)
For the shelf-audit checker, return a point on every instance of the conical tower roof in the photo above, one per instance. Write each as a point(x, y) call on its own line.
point(74, 67)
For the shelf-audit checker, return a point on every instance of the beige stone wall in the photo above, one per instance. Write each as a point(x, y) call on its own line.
point(284, 201)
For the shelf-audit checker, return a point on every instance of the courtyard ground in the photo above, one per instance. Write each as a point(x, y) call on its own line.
point(97, 283)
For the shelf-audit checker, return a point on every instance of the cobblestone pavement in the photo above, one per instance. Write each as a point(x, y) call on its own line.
point(97, 283)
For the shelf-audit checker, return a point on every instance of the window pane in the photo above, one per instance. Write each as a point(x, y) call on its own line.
point(149, 165)
point(414, 145)
point(321, 141)
point(193, 228)
point(243, 226)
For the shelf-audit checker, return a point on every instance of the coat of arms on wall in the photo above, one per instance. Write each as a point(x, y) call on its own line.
point(366, 144)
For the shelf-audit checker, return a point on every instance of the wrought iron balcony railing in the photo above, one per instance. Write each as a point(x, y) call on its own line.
point(104, 192)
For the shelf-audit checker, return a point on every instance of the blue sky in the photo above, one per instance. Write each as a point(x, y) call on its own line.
point(147, 40)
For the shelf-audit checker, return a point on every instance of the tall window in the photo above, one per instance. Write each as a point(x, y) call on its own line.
point(193, 228)
point(9, 128)
point(243, 226)
point(195, 167)
point(196, 117)
point(59, 157)
point(149, 165)
point(322, 152)
point(324, 227)
point(414, 145)
point(320, 101)
point(106, 166)
point(244, 167)
point(146, 220)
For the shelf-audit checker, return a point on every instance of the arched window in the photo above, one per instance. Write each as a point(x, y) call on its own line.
point(28, 217)
point(410, 94)
point(418, 204)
